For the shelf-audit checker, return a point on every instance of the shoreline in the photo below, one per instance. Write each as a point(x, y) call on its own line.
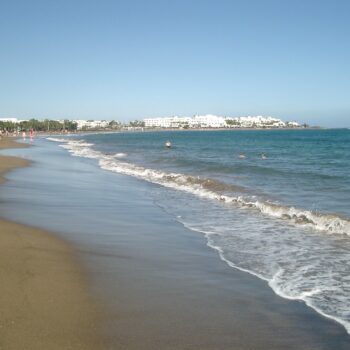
point(44, 299)
point(144, 129)
point(159, 284)
point(8, 163)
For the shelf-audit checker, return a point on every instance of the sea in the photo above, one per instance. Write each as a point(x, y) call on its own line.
point(272, 203)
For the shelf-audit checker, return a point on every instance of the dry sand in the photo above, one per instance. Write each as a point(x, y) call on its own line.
point(44, 303)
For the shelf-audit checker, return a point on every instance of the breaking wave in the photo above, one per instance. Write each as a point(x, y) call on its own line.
point(210, 189)
point(296, 264)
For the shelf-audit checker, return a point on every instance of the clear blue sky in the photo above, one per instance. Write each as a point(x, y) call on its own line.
point(132, 59)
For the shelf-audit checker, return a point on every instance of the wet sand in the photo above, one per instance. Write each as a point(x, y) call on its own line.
point(43, 301)
point(165, 289)
point(8, 163)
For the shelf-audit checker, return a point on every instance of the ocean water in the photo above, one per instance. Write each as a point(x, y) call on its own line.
point(284, 219)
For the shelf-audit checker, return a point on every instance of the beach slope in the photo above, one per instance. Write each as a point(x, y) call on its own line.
point(43, 301)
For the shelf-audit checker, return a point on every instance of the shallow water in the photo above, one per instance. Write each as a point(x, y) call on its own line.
point(93, 206)
point(284, 219)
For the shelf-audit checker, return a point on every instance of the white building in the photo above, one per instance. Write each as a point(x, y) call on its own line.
point(255, 122)
point(197, 121)
point(208, 121)
point(11, 120)
point(293, 124)
point(168, 122)
point(91, 124)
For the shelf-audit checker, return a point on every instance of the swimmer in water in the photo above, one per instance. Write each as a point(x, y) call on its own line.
point(263, 156)
point(168, 144)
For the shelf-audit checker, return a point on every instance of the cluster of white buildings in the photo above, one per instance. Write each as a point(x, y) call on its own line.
point(10, 120)
point(81, 124)
point(91, 124)
point(214, 121)
point(197, 121)
point(260, 122)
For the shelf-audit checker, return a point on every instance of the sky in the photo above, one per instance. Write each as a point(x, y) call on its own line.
point(132, 59)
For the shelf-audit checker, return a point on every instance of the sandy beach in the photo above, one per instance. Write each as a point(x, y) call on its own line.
point(44, 301)
point(174, 175)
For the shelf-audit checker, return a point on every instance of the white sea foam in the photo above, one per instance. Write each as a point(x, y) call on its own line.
point(120, 155)
point(297, 264)
point(55, 139)
point(316, 298)
point(323, 222)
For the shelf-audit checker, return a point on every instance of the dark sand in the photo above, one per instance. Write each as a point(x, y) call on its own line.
point(44, 302)
point(8, 163)
point(174, 293)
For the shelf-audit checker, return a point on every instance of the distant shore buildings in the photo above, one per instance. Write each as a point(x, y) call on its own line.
point(10, 120)
point(214, 121)
point(208, 121)
point(91, 124)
